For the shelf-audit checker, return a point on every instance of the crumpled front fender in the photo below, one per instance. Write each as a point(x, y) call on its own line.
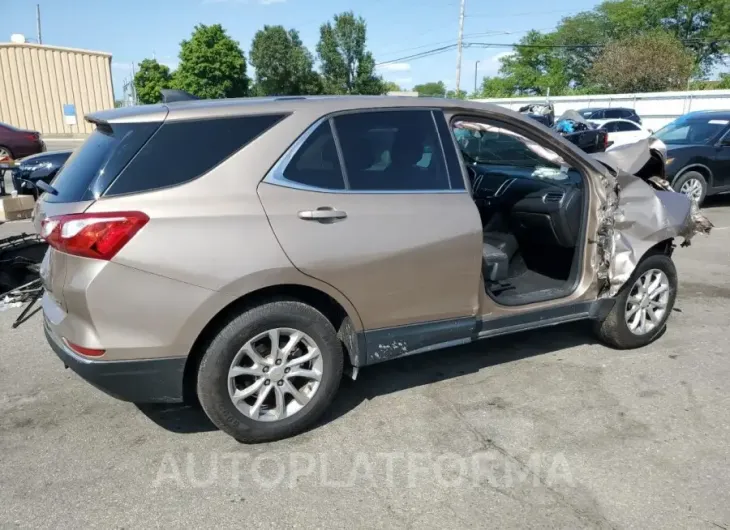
point(638, 216)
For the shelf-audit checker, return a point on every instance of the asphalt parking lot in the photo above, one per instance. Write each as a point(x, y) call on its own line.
point(544, 429)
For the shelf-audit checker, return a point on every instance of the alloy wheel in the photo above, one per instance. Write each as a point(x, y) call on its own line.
point(647, 303)
point(275, 374)
point(692, 188)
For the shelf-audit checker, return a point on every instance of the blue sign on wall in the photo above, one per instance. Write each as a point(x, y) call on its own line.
point(69, 113)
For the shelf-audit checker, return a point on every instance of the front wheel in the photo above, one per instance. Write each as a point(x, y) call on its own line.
point(271, 372)
point(693, 185)
point(643, 305)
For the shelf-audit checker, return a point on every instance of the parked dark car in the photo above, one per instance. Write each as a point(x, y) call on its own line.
point(609, 113)
point(43, 166)
point(698, 153)
point(19, 143)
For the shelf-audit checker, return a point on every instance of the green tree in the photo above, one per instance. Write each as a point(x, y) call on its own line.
point(150, 79)
point(390, 86)
point(496, 87)
point(648, 62)
point(284, 66)
point(212, 65)
point(724, 82)
point(456, 94)
point(433, 89)
point(534, 68)
point(563, 58)
point(347, 66)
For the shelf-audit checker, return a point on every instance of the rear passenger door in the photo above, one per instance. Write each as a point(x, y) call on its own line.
point(374, 203)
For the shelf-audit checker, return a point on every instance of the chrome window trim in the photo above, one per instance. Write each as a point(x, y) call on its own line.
point(276, 176)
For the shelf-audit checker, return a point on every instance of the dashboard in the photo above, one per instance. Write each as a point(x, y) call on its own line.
point(542, 206)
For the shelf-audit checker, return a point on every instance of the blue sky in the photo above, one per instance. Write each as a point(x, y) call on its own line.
point(136, 29)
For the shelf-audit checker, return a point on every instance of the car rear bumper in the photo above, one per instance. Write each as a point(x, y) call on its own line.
point(138, 381)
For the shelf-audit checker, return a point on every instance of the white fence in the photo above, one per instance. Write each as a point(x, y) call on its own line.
point(655, 108)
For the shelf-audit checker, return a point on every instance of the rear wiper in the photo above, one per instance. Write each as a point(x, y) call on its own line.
point(44, 186)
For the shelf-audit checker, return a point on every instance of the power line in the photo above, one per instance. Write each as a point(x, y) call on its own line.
point(466, 35)
point(492, 15)
point(442, 49)
point(420, 55)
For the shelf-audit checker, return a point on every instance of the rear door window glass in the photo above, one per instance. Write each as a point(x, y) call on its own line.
point(392, 150)
point(612, 113)
point(181, 151)
point(623, 126)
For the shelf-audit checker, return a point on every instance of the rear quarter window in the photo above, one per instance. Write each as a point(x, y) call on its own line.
point(181, 151)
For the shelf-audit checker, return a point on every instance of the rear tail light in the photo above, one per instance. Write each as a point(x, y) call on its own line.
point(32, 136)
point(92, 235)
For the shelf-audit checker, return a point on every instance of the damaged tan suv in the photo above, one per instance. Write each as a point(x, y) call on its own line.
point(246, 253)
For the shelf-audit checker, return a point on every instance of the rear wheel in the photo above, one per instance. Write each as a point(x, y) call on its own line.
point(271, 372)
point(693, 185)
point(643, 305)
point(5, 152)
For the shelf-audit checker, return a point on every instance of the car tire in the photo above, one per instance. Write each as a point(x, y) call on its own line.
point(616, 329)
point(690, 181)
point(216, 392)
point(5, 151)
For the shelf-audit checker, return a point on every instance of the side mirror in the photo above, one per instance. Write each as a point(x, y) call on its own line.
point(651, 131)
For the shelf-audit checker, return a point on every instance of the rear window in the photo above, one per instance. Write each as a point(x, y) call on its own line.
point(184, 150)
point(167, 155)
point(91, 167)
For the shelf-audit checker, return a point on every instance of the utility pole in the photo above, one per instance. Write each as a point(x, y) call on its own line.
point(476, 69)
point(38, 23)
point(458, 53)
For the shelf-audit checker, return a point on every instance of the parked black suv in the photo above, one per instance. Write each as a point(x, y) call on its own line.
point(698, 153)
point(610, 113)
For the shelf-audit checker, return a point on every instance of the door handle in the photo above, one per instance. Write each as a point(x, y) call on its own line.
point(322, 214)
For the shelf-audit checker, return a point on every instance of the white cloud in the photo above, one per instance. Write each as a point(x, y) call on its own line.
point(394, 67)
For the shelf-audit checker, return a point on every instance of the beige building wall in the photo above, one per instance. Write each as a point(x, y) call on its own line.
point(36, 81)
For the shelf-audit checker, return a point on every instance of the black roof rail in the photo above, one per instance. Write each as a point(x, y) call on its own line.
point(170, 95)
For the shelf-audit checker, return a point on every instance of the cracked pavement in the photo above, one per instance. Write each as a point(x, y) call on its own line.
point(542, 429)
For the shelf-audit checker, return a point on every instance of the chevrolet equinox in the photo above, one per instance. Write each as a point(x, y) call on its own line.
point(248, 252)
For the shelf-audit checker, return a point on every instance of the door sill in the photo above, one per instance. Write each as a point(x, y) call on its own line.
point(540, 318)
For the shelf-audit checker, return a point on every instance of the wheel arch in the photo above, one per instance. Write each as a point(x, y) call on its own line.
point(346, 324)
point(700, 168)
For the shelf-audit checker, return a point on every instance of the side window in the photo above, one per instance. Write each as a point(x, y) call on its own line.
point(610, 127)
point(316, 162)
point(392, 150)
point(497, 152)
point(612, 113)
point(623, 126)
point(162, 162)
